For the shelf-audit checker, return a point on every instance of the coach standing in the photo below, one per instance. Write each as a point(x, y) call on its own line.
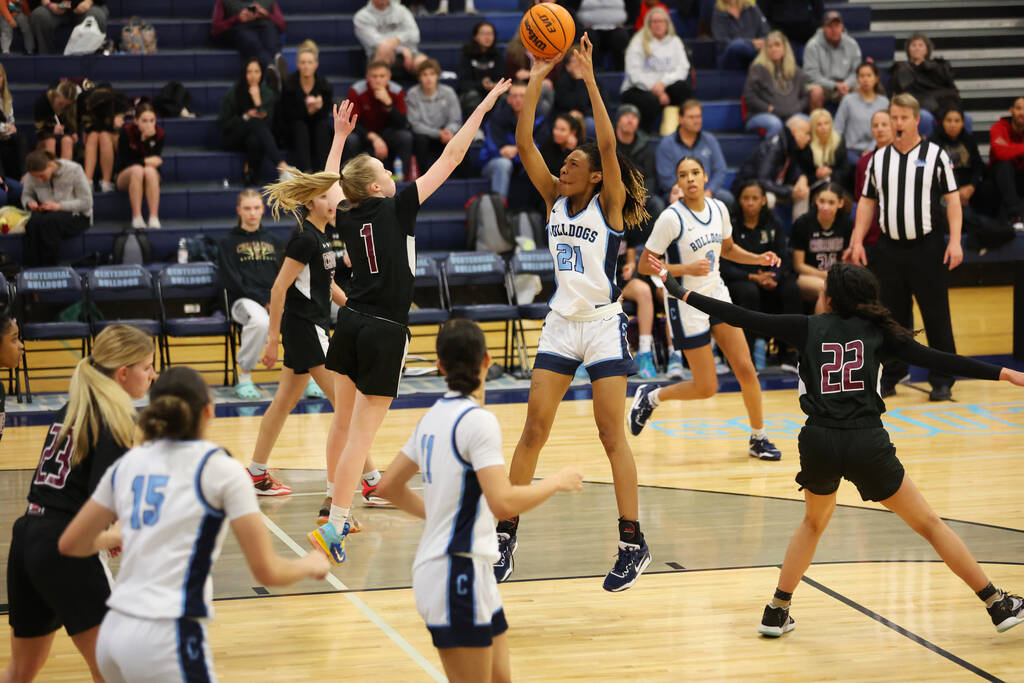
point(907, 181)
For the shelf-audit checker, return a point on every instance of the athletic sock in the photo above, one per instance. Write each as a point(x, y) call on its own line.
point(781, 599)
point(629, 532)
point(330, 489)
point(339, 516)
point(758, 434)
point(244, 377)
point(372, 478)
point(257, 468)
point(990, 595)
point(644, 345)
point(509, 526)
point(653, 397)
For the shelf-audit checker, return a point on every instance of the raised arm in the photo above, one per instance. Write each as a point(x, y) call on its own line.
point(344, 124)
point(531, 157)
point(613, 192)
point(455, 151)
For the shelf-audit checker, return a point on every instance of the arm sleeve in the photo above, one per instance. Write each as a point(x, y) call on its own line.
point(301, 248)
point(227, 486)
point(81, 201)
point(636, 75)
point(792, 329)
point(407, 206)
point(665, 231)
point(277, 18)
point(103, 492)
point(914, 353)
point(478, 439)
point(409, 32)
point(812, 66)
point(221, 23)
point(752, 90)
point(999, 140)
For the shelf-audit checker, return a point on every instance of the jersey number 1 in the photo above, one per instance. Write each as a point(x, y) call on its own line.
point(839, 365)
point(371, 255)
point(150, 489)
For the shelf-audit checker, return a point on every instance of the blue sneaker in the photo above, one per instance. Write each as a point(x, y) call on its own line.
point(641, 409)
point(631, 563)
point(581, 373)
point(328, 540)
point(764, 449)
point(675, 365)
point(645, 365)
point(313, 390)
point(506, 549)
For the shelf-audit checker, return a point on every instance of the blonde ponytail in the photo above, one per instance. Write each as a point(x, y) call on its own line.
point(296, 190)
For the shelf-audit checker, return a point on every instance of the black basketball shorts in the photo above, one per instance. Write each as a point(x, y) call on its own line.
point(305, 344)
point(865, 457)
point(46, 589)
point(370, 351)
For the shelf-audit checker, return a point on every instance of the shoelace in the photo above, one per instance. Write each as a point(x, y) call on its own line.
point(624, 560)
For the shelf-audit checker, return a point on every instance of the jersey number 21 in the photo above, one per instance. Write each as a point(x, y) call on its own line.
point(564, 258)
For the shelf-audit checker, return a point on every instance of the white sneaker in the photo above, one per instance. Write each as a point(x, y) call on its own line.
point(107, 186)
point(154, 222)
point(138, 222)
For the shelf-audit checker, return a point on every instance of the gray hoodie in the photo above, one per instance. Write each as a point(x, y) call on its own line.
point(428, 115)
point(68, 185)
point(373, 26)
point(826, 65)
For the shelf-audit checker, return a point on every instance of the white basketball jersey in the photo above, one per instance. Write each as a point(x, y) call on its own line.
point(686, 237)
point(452, 441)
point(585, 249)
point(174, 500)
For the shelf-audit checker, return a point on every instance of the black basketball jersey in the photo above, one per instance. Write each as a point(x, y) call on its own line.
point(341, 271)
point(839, 370)
point(309, 297)
point(822, 248)
point(56, 485)
point(379, 234)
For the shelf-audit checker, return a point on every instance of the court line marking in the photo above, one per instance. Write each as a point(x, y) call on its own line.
point(902, 631)
point(367, 611)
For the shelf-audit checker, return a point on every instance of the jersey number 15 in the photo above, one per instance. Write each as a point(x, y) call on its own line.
point(837, 374)
point(151, 490)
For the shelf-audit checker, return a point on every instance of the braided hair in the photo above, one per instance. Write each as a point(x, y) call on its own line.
point(854, 291)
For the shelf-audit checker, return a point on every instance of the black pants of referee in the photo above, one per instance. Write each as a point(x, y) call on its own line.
point(914, 268)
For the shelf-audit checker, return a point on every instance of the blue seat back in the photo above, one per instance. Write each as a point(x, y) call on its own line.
point(536, 262)
point(189, 280)
point(52, 284)
point(127, 282)
point(473, 267)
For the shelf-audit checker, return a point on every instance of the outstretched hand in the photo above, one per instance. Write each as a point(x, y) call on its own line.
point(344, 119)
point(499, 89)
point(584, 55)
point(542, 67)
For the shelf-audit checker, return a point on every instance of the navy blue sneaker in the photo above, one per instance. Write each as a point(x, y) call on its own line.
point(775, 622)
point(641, 409)
point(506, 549)
point(631, 563)
point(764, 449)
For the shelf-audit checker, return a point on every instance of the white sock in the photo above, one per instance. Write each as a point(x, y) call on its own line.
point(372, 478)
point(758, 434)
point(644, 345)
point(244, 377)
point(257, 468)
point(653, 397)
point(338, 518)
point(330, 489)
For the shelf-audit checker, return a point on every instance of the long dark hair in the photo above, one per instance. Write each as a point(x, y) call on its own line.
point(634, 213)
point(176, 402)
point(854, 291)
point(764, 219)
point(471, 47)
point(461, 349)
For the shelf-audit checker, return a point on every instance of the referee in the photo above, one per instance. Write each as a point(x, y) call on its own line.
point(908, 181)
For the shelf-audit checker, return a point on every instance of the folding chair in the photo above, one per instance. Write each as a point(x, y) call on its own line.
point(538, 263)
point(194, 304)
point(7, 301)
point(475, 287)
point(124, 294)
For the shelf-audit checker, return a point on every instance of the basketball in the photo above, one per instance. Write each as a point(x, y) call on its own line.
point(547, 30)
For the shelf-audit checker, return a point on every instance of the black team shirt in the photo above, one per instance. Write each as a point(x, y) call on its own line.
point(379, 235)
point(309, 297)
point(822, 248)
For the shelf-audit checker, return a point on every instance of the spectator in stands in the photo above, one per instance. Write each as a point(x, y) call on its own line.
point(571, 94)
point(12, 145)
point(853, 119)
point(499, 155)
point(383, 127)
point(1006, 138)
point(434, 114)
point(776, 88)
point(255, 28)
point(245, 118)
point(517, 68)
point(691, 141)
point(968, 166)
point(782, 166)
point(306, 100)
point(830, 61)
point(15, 14)
point(641, 11)
point(389, 34)
point(56, 120)
point(881, 132)
point(798, 19)
point(657, 69)
point(248, 261)
point(739, 30)
point(828, 152)
point(138, 161)
point(566, 135)
point(480, 66)
point(769, 290)
point(641, 149)
point(929, 79)
point(100, 115)
point(53, 13)
point(60, 199)
point(818, 239)
point(605, 24)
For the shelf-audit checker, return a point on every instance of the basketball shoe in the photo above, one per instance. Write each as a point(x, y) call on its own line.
point(645, 365)
point(506, 550)
point(629, 565)
point(764, 449)
point(268, 485)
point(325, 515)
point(1007, 612)
point(370, 496)
point(641, 409)
point(327, 539)
point(775, 622)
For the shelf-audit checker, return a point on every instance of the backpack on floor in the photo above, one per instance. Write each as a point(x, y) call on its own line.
point(487, 224)
point(172, 99)
point(202, 248)
point(528, 230)
point(138, 37)
point(132, 246)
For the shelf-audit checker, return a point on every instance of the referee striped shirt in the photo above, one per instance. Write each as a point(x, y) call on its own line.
point(908, 188)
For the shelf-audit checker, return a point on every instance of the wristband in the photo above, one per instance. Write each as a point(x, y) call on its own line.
point(663, 273)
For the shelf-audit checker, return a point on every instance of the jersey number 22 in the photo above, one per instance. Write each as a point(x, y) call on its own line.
point(830, 384)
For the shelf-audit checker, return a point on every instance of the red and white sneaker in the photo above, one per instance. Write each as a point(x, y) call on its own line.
point(268, 485)
point(370, 496)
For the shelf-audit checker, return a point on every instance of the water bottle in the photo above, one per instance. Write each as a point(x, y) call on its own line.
point(182, 251)
point(396, 171)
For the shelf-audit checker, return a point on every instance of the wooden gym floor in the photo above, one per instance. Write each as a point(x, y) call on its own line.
point(876, 605)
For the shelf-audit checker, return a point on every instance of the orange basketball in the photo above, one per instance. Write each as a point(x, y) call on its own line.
point(547, 30)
